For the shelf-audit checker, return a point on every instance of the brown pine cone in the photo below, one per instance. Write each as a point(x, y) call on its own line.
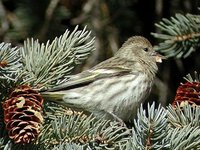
point(188, 93)
point(23, 114)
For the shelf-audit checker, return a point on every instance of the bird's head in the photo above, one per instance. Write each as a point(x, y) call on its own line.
point(139, 48)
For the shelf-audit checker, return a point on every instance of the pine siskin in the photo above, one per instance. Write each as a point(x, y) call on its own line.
point(116, 87)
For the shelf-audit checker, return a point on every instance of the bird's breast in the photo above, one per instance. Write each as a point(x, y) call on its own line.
point(119, 95)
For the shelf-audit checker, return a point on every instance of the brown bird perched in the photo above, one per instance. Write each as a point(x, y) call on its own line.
point(116, 87)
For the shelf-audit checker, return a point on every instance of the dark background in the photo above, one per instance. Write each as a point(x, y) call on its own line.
point(111, 22)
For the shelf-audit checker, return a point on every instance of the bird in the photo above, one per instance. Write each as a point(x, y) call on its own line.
point(115, 88)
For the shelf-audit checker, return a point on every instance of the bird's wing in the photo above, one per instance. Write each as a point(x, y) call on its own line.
point(89, 76)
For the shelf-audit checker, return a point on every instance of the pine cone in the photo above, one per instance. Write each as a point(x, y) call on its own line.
point(188, 93)
point(22, 114)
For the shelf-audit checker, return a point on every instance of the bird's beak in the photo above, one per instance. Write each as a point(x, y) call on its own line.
point(158, 57)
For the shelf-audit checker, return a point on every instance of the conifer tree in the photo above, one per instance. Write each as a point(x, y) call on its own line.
point(29, 122)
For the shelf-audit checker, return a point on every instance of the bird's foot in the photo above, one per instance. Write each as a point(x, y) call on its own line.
point(121, 122)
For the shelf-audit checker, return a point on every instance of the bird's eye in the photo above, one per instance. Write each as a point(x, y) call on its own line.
point(145, 49)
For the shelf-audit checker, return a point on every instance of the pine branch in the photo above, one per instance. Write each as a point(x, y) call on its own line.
point(80, 129)
point(156, 128)
point(186, 138)
point(70, 147)
point(13, 146)
point(183, 116)
point(9, 62)
point(196, 77)
point(171, 128)
point(150, 129)
point(46, 64)
point(10, 67)
point(1, 143)
point(180, 35)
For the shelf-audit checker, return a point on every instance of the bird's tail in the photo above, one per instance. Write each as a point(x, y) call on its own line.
point(53, 96)
point(68, 99)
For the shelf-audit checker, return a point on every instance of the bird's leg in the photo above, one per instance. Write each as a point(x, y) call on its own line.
point(117, 119)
